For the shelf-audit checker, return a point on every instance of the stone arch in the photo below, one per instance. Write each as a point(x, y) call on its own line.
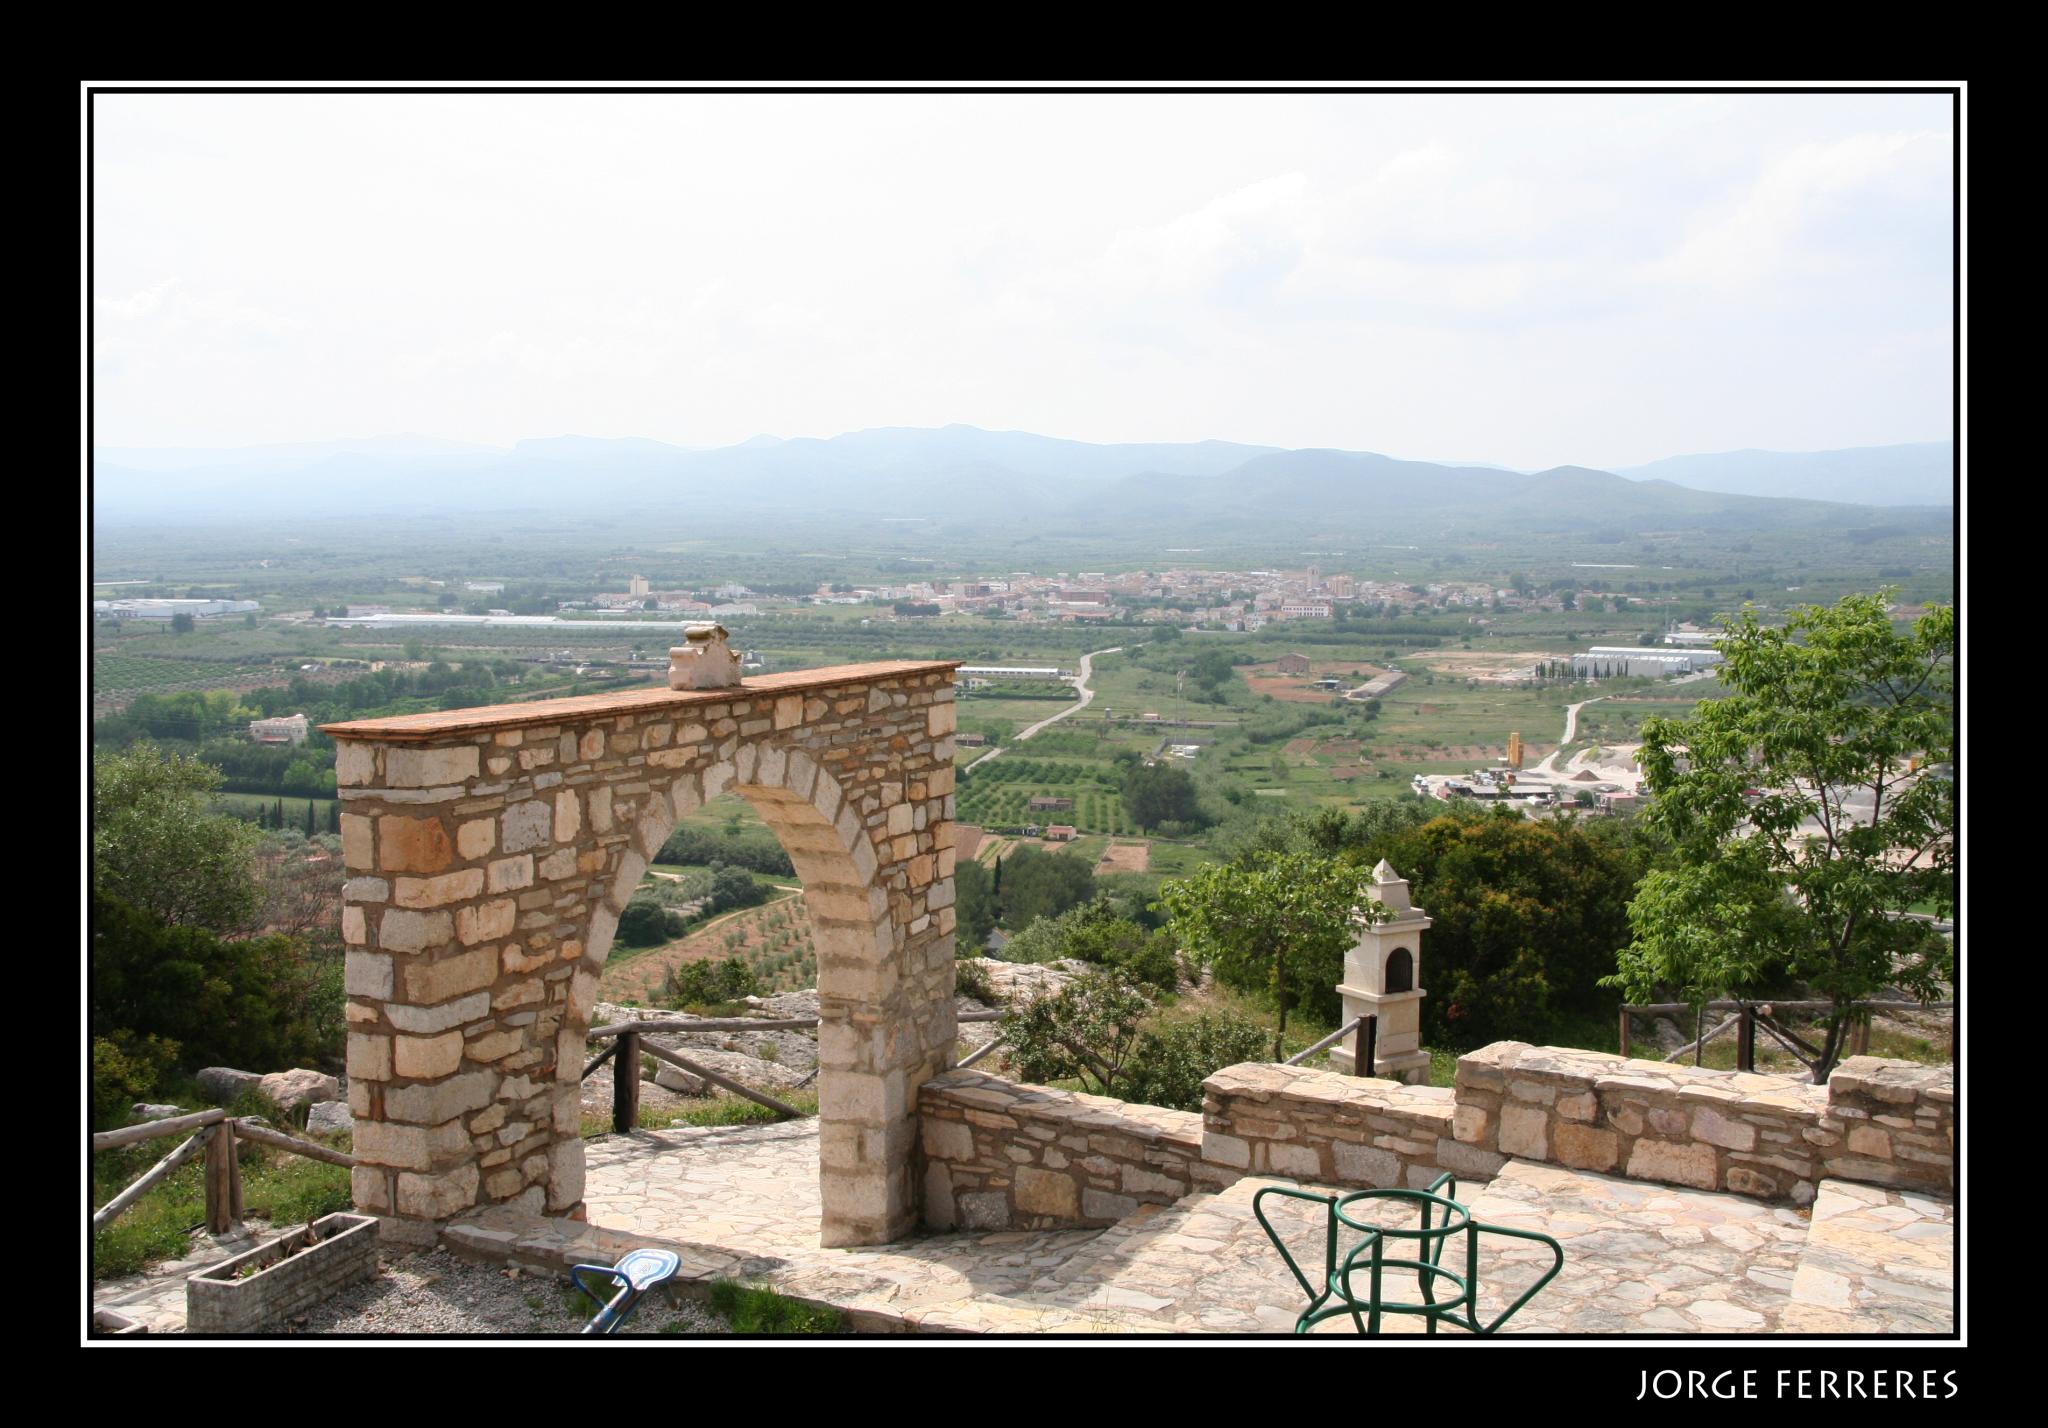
point(1400, 970)
point(491, 852)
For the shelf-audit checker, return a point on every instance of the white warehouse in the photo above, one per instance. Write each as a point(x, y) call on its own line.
point(148, 609)
point(1611, 661)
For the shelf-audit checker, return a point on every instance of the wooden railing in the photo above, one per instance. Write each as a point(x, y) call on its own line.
point(1748, 1017)
point(214, 1134)
point(629, 1044)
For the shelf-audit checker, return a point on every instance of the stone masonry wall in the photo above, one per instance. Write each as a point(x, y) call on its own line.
point(1333, 1129)
point(491, 851)
point(1883, 1122)
point(1890, 1123)
point(1001, 1156)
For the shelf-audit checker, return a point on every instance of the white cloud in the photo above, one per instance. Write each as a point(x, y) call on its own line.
point(1525, 280)
point(1760, 236)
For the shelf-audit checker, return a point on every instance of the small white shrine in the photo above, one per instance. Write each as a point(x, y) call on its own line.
point(1383, 978)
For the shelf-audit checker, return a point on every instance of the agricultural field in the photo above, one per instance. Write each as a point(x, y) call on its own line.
point(1267, 680)
point(999, 792)
point(248, 805)
point(119, 678)
point(1124, 687)
point(774, 939)
point(1618, 719)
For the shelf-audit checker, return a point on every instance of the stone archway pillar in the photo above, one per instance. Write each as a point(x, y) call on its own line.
point(490, 853)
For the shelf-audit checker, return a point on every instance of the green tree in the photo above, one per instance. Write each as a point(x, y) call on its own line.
point(1213, 673)
point(253, 1003)
point(644, 923)
point(1085, 1031)
point(181, 624)
point(1802, 829)
point(974, 905)
point(1038, 884)
point(1526, 919)
point(733, 887)
point(1098, 933)
point(1158, 793)
point(1281, 921)
point(155, 847)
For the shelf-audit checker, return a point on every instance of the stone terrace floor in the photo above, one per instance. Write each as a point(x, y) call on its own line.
point(1639, 1258)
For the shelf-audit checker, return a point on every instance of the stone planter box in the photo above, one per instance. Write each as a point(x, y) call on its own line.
point(292, 1273)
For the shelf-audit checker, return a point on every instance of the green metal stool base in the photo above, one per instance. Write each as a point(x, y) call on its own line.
point(1368, 1260)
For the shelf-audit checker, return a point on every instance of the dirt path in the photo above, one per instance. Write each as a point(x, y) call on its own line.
point(1571, 727)
point(1087, 698)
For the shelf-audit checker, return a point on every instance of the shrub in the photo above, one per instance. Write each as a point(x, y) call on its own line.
point(1170, 1063)
point(258, 1002)
point(970, 979)
point(121, 1076)
point(731, 887)
point(1087, 1030)
point(709, 983)
point(644, 923)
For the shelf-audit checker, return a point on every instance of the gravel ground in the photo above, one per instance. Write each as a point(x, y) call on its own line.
point(433, 1292)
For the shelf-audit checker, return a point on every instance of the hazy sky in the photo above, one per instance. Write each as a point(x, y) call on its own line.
point(1523, 280)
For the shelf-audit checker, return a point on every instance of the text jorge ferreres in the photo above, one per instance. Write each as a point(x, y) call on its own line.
point(1798, 1383)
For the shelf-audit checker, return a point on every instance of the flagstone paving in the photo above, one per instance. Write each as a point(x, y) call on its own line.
point(155, 1298)
point(742, 1202)
point(1876, 1261)
point(1639, 1257)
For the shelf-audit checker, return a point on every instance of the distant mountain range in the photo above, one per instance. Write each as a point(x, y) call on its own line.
point(963, 475)
point(1919, 474)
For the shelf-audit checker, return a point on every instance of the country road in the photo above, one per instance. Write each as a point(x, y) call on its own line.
point(1571, 727)
point(1087, 698)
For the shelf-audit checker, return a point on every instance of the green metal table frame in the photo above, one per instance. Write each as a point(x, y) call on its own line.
point(1442, 1217)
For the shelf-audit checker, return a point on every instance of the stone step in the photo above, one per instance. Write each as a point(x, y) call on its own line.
point(1875, 1261)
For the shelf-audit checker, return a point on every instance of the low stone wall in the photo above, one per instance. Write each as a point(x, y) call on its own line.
point(1648, 1120)
point(1002, 1156)
point(1333, 1129)
point(1771, 1137)
point(1890, 1123)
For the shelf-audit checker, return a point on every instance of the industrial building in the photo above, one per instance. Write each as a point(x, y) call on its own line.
point(1372, 689)
point(1612, 661)
point(1007, 673)
point(288, 729)
point(169, 609)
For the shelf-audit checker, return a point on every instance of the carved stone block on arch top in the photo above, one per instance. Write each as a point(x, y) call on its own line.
point(491, 851)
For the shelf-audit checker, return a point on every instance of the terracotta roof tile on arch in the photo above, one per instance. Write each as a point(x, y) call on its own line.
point(404, 728)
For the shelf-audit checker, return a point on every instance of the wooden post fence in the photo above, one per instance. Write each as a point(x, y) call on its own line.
point(626, 1083)
point(214, 1135)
